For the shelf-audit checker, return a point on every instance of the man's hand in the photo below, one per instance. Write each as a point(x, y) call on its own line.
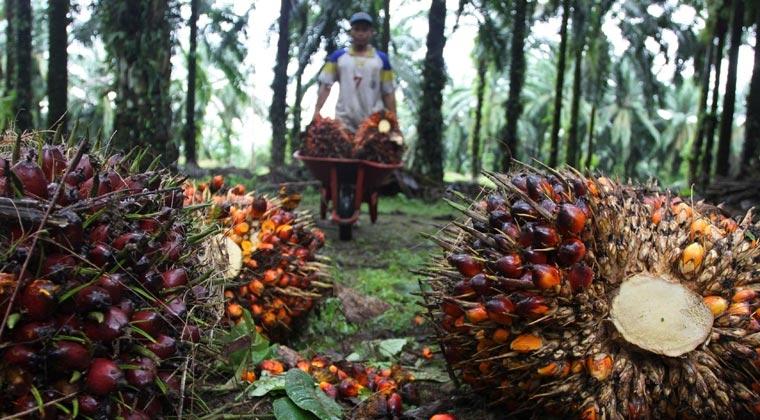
point(315, 116)
point(322, 94)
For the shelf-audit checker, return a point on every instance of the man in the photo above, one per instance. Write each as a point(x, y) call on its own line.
point(364, 74)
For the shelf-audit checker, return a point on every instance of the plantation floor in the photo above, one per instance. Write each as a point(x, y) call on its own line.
point(378, 264)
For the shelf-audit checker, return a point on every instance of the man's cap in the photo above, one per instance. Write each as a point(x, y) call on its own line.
point(360, 17)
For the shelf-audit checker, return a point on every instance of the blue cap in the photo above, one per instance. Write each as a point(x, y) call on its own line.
point(360, 17)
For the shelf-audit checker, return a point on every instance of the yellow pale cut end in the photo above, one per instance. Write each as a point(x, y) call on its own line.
point(384, 126)
point(223, 255)
point(660, 316)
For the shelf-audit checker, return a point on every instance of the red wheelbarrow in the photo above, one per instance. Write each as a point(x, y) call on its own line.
point(347, 183)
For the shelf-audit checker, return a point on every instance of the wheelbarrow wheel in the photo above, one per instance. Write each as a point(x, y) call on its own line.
point(345, 210)
point(344, 231)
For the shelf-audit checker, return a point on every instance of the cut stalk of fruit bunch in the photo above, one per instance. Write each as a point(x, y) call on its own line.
point(269, 256)
point(601, 300)
point(97, 288)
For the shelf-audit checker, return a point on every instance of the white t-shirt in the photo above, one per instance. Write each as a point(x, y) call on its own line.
point(364, 79)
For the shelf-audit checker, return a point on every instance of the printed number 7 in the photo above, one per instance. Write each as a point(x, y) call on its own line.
point(357, 80)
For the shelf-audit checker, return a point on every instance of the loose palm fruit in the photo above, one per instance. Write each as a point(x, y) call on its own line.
point(104, 376)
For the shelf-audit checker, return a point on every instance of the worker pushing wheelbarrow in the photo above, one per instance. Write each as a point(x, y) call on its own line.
point(352, 166)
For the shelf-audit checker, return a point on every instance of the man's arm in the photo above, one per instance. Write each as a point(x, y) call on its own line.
point(322, 94)
point(389, 100)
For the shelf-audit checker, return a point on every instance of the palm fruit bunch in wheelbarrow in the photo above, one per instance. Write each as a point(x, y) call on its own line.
point(379, 139)
point(273, 267)
point(576, 296)
point(327, 138)
point(98, 273)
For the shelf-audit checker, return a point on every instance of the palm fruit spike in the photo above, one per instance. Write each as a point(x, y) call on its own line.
point(379, 139)
point(269, 255)
point(628, 302)
point(98, 298)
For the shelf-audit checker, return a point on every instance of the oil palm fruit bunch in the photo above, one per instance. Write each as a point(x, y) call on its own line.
point(277, 274)
point(379, 139)
point(578, 296)
point(326, 137)
point(97, 277)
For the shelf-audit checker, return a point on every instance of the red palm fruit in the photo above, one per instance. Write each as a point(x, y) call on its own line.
point(216, 184)
point(137, 415)
point(88, 405)
point(524, 282)
point(534, 257)
point(463, 288)
point(545, 276)
point(580, 276)
point(526, 235)
point(498, 217)
point(521, 209)
point(571, 219)
point(86, 166)
point(579, 186)
point(32, 177)
point(499, 309)
point(395, 405)
point(75, 178)
point(452, 309)
point(104, 186)
point(114, 284)
point(521, 182)
point(348, 388)
point(92, 298)
point(510, 265)
point(20, 355)
point(110, 329)
point(538, 187)
point(545, 236)
point(466, 265)
point(57, 263)
point(53, 162)
point(127, 306)
point(495, 202)
point(444, 416)
point(152, 281)
point(481, 285)
point(144, 374)
point(549, 205)
point(127, 239)
point(100, 254)
point(531, 306)
point(174, 278)
point(172, 249)
point(115, 180)
point(148, 321)
point(36, 330)
point(191, 333)
point(571, 251)
point(69, 355)
point(104, 376)
point(39, 299)
point(28, 403)
point(99, 233)
point(176, 307)
point(329, 389)
point(149, 225)
point(164, 347)
point(17, 381)
point(511, 230)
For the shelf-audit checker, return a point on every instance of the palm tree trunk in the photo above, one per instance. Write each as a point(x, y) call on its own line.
point(429, 149)
point(295, 130)
point(729, 99)
point(386, 40)
point(476, 164)
point(10, 45)
point(143, 74)
point(516, 79)
point(590, 145)
point(57, 80)
point(190, 128)
point(713, 117)
point(23, 102)
point(572, 135)
point(554, 146)
point(752, 127)
point(696, 148)
point(280, 89)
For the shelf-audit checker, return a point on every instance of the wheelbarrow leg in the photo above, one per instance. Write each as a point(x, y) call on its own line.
point(373, 207)
point(323, 203)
